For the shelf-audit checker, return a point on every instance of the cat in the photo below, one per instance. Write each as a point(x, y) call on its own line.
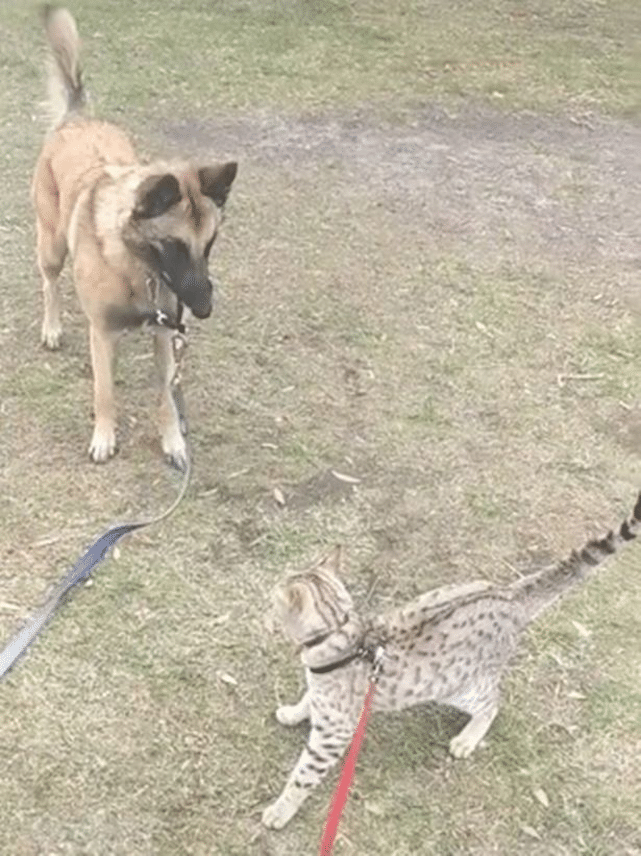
point(450, 645)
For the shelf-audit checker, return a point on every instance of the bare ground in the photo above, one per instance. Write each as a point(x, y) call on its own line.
point(512, 187)
point(409, 212)
point(427, 344)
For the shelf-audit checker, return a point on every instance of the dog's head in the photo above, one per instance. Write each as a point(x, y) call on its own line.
point(173, 226)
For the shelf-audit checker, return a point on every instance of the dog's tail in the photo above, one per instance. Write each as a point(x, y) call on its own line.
point(66, 93)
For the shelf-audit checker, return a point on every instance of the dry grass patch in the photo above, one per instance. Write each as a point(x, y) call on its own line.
point(423, 286)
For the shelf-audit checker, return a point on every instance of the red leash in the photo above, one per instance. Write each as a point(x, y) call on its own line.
point(344, 783)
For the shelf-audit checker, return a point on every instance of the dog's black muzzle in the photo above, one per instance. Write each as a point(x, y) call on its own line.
point(186, 277)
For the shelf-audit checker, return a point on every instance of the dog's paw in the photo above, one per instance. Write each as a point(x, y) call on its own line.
point(177, 462)
point(51, 337)
point(177, 457)
point(103, 444)
point(278, 814)
point(175, 449)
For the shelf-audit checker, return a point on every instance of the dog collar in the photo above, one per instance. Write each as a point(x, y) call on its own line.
point(161, 319)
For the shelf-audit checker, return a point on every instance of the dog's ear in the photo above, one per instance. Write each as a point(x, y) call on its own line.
point(155, 195)
point(216, 181)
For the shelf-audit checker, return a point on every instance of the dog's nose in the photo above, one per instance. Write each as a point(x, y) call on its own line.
point(197, 294)
point(201, 311)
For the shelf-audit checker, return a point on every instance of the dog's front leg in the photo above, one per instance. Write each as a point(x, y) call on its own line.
point(103, 442)
point(171, 436)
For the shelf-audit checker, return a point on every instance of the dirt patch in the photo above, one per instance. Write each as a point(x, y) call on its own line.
point(435, 226)
point(525, 185)
point(327, 486)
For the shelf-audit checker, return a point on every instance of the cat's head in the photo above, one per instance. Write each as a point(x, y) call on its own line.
point(313, 603)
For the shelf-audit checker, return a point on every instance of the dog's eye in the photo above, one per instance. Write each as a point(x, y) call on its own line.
point(171, 250)
point(210, 244)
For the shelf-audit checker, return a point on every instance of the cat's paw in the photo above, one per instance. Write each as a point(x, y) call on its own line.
point(463, 745)
point(466, 742)
point(290, 714)
point(278, 814)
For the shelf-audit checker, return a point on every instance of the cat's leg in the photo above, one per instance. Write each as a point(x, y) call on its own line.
point(482, 703)
point(469, 738)
point(293, 714)
point(325, 747)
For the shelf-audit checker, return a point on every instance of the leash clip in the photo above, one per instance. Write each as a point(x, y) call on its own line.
point(178, 344)
point(162, 319)
point(377, 664)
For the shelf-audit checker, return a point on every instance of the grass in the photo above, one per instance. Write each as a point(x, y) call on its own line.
point(428, 282)
point(311, 55)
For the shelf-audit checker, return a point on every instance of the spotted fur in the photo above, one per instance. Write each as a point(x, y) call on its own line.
point(450, 645)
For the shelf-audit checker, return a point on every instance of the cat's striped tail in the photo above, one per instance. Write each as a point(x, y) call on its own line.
point(540, 590)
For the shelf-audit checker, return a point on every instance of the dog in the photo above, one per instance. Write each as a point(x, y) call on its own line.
point(139, 236)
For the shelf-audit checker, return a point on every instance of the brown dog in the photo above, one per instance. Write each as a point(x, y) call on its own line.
point(139, 236)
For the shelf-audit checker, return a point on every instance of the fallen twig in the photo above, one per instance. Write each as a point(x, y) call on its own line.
point(562, 379)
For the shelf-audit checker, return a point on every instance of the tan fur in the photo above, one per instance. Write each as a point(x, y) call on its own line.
point(95, 200)
point(64, 86)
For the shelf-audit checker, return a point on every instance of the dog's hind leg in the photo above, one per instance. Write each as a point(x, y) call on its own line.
point(52, 249)
point(171, 435)
point(103, 442)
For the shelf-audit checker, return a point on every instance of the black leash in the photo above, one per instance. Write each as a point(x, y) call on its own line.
point(19, 643)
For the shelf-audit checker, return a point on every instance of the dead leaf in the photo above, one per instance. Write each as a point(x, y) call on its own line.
point(541, 796)
point(483, 329)
point(582, 630)
point(345, 478)
point(531, 832)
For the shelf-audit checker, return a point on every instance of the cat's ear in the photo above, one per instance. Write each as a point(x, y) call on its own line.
point(287, 603)
point(334, 561)
point(294, 598)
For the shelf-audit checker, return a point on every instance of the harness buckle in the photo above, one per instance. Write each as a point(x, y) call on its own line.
point(377, 663)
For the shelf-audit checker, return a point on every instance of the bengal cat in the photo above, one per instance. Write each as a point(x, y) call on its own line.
point(450, 645)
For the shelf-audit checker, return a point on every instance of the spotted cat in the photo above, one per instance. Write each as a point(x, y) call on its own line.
point(450, 645)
